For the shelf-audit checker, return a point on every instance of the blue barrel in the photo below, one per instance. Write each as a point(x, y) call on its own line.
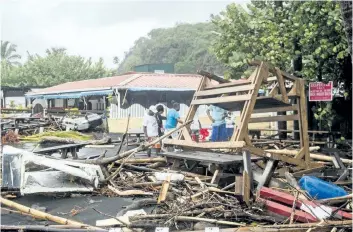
point(320, 189)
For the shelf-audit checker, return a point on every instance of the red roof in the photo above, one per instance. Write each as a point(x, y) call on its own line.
point(129, 80)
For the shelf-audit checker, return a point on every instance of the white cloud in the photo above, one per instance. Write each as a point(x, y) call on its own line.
point(94, 28)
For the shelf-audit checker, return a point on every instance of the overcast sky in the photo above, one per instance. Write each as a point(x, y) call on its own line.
point(96, 28)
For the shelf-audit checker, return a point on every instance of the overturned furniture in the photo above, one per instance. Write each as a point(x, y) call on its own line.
point(242, 95)
point(29, 173)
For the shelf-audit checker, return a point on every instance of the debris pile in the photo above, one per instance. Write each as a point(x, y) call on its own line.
point(182, 197)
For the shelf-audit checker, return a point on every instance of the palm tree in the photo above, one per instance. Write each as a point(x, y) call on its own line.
point(8, 53)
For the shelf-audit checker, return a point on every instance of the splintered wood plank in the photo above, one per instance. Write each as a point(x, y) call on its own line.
point(276, 109)
point(275, 156)
point(282, 86)
point(208, 145)
point(241, 131)
point(217, 175)
point(235, 83)
point(275, 118)
point(304, 123)
point(239, 185)
point(246, 188)
point(164, 190)
point(270, 168)
point(224, 90)
point(247, 167)
point(216, 100)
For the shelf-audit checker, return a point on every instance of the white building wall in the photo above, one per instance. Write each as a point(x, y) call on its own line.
point(59, 103)
point(18, 101)
point(138, 111)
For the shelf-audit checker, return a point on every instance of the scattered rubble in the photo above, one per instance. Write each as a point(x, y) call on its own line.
point(228, 186)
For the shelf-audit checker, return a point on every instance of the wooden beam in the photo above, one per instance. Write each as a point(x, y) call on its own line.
point(304, 123)
point(273, 70)
point(246, 188)
point(276, 109)
point(308, 171)
point(274, 91)
point(282, 86)
point(192, 111)
point(242, 131)
point(274, 156)
point(212, 76)
point(224, 90)
point(275, 118)
point(270, 168)
point(300, 154)
point(216, 100)
point(207, 145)
point(235, 83)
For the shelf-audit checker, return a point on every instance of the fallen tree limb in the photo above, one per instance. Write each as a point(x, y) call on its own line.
point(129, 192)
point(47, 216)
point(129, 152)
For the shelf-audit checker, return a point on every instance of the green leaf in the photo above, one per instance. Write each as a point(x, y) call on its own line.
point(340, 55)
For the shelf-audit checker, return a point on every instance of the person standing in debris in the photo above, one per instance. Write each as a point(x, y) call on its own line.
point(173, 118)
point(160, 118)
point(217, 115)
point(150, 126)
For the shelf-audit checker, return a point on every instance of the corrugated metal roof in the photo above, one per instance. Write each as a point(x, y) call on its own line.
point(128, 80)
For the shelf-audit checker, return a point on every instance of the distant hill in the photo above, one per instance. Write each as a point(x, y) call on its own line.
point(185, 45)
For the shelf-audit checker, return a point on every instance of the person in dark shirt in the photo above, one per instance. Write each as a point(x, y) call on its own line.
point(160, 118)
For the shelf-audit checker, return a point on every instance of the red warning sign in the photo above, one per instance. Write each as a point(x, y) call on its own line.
point(319, 91)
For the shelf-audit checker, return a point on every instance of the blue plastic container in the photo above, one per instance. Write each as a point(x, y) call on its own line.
point(320, 189)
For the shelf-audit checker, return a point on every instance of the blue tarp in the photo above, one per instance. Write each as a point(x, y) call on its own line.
point(72, 95)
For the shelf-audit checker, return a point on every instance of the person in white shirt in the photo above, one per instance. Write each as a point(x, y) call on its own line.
point(150, 126)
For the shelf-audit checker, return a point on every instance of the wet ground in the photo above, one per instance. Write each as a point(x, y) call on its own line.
point(63, 206)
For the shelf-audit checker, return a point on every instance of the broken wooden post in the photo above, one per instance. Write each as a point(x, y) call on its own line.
point(271, 166)
point(247, 167)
